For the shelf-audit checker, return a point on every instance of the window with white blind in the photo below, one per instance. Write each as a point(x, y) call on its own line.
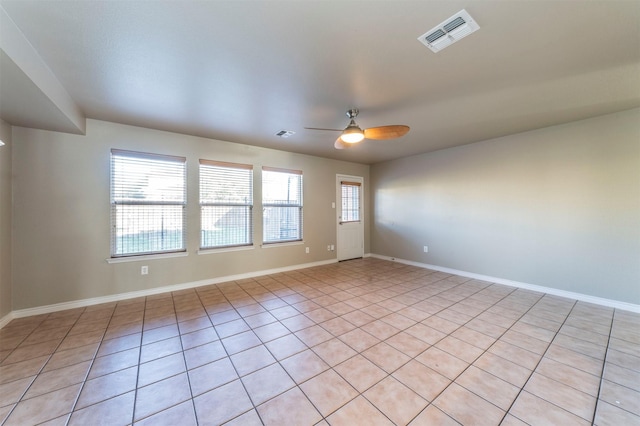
point(226, 204)
point(282, 205)
point(148, 203)
point(350, 201)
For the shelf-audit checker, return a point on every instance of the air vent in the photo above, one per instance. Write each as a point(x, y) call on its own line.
point(450, 26)
point(448, 32)
point(435, 35)
point(285, 133)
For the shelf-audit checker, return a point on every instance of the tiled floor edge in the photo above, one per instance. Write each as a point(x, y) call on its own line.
point(46, 309)
point(548, 290)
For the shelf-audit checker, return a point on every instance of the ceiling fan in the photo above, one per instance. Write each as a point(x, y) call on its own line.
point(353, 134)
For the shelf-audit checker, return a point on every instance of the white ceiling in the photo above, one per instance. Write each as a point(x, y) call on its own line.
point(243, 70)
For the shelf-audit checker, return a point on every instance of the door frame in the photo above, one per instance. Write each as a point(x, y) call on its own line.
point(339, 178)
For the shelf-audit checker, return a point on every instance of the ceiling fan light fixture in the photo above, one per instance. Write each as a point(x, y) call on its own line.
point(352, 134)
point(353, 137)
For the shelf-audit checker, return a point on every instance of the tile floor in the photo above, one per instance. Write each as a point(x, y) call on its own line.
point(361, 342)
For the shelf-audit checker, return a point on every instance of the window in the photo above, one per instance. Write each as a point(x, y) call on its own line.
point(350, 201)
point(282, 205)
point(148, 200)
point(226, 204)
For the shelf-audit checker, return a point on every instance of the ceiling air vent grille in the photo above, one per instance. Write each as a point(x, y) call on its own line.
point(448, 32)
point(450, 26)
point(435, 35)
point(285, 133)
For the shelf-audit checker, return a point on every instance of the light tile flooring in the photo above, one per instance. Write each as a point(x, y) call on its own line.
point(365, 342)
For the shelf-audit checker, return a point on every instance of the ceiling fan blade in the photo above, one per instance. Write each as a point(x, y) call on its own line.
point(320, 128)
point(341, 145)
point(386, 132)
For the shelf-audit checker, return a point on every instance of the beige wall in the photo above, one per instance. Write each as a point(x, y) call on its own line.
point(61, 213)
point(557, 207)
point(5, 220)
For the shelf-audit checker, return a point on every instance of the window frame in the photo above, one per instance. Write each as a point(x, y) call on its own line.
point(250, 205)
point(114, 203)
point(299, 206)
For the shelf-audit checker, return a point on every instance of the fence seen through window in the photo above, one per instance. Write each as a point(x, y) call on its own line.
point(148, 201)
point(282, 205)
point(226, 204)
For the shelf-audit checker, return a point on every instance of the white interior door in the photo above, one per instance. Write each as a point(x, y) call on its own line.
point(350, 214)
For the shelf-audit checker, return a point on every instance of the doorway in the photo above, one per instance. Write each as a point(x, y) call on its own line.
point(350, 215)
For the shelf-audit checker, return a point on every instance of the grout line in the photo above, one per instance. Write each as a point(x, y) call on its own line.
point(539, 361)
point(454, 285)
point(604, 366)
point(545, 352)
point(227, 352)
point(36, 375)
point(278, 361)
point(184, 359)
point(472, 362)
point(93, 359)
point(40, 371)
point(135, 395)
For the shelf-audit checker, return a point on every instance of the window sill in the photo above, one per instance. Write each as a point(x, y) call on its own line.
point(146, 257)
point(282, 244)
point(224, 249)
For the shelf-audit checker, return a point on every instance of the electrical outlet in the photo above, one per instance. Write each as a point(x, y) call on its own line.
point(306, 250)
point(426, 249)
point(144, 270)
point(328, 247)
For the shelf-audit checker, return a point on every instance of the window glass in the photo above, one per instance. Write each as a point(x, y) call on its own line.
point(282, 205)
point(148, 200)
point(350, 201)
point(226, 204)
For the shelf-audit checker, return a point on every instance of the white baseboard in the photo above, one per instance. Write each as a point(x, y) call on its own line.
point(6, 319)
point(142, 293)
point(548, 290)
point(184, 286)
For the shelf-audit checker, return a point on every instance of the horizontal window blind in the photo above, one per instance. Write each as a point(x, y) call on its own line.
point(280, 170)
point(226, 204)
point(282, 205)
point(148, 200)
point(350, 201)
